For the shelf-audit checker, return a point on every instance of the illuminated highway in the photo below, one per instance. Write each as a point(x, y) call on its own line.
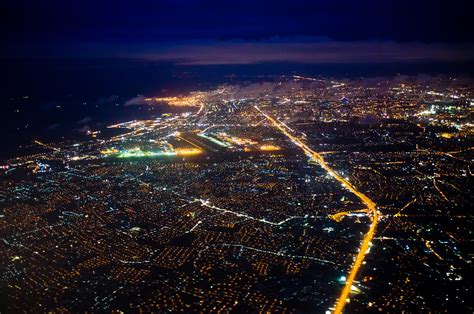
point(371, 206)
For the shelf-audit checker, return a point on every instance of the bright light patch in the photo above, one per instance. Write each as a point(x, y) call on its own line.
point(137, 152)
point(269, 147)
point(215, 141)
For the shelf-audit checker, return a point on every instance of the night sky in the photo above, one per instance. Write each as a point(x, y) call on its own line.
point(239, 32)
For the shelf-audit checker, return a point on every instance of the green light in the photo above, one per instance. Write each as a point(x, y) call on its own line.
point(139, 153)
point(215, 141)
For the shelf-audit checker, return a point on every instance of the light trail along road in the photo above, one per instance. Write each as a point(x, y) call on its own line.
point(371, 206)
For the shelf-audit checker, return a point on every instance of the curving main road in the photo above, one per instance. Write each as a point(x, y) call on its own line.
point(371, 206)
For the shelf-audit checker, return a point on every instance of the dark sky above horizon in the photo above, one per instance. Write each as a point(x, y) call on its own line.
point(241, 32)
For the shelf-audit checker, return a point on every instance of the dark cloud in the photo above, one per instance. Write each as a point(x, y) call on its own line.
point(310, 50)
point(307, 51)
point(107, 100)
point(84, 129)
point(53, 126)
point(84, 120)
point(138, 100)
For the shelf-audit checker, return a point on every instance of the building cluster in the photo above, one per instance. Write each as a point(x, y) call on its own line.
point(217, 210)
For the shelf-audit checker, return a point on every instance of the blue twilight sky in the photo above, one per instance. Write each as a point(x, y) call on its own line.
point(240, 32)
